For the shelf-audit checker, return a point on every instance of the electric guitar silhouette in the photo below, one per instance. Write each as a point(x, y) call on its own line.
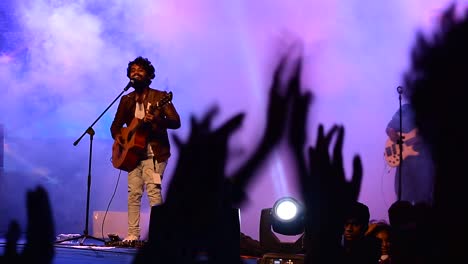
point(392, 149)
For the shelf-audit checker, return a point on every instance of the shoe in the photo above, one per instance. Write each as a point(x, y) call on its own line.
point(130, 238)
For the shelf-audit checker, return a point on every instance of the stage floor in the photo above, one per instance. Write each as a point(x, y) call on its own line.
point(94, 251)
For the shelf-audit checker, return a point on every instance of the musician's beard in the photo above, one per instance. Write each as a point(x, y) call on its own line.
point(141, 85)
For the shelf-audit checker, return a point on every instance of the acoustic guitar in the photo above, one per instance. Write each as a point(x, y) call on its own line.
point(392, 149)
point(127, 155)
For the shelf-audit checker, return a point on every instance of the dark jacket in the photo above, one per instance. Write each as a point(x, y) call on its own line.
point(166, 118)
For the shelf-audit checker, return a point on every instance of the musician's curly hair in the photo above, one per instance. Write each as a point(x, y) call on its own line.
point(145, 63)
point(437, 82)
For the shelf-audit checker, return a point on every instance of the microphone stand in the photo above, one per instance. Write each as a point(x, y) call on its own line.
point(400, 143)
point(90, 132)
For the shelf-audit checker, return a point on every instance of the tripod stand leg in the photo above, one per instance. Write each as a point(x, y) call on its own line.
point(70, 238)
point(81, 240)
point(90, 237)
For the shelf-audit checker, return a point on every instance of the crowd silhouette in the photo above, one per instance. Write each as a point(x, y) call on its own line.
point(198, 223)
point(40, 232)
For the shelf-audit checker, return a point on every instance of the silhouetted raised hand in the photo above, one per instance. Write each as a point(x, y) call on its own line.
point(277, 120)
point(11, 253)
point(195, 223)
point(325, 190)
point(327, 195)
point(39, 234)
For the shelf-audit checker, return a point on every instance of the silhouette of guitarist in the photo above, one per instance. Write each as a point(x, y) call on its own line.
point(417, 168)
point(141, 143)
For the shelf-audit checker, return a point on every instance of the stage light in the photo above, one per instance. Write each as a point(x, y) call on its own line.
point(286, 217)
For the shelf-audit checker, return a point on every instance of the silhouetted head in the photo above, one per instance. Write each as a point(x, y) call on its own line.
point(356, 221)
point(401, 214)
point(437, 84)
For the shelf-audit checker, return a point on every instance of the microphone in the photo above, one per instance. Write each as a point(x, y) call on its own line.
point(399, 89)
point(130, 84)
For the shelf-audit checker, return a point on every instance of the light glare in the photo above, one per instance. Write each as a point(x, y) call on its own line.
point(286, 210)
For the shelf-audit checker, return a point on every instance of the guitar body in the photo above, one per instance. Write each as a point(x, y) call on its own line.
point(126, 156)
point(392, 149)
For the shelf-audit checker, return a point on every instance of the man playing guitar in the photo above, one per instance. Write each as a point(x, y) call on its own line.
point(142, 146)
point(416, 169)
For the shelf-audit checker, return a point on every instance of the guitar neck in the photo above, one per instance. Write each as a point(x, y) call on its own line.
point(161, 103)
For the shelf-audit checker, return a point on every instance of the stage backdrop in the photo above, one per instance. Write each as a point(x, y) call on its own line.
point(63, 62)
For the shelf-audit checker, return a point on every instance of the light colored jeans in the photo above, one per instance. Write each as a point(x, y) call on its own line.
point(148, 174)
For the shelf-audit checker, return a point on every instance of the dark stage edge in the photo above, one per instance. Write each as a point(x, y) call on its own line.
point(70, 252)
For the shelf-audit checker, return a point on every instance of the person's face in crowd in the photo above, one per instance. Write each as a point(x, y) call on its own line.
point(353, 230)
point(384, 237)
